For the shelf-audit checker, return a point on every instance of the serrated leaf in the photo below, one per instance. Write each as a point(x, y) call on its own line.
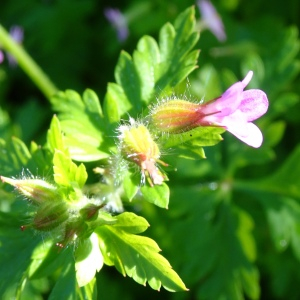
point(55, 140)
point(153, 69)
point(88, 260)
point(14, 156)
point(138, 257)
point(83, 124)
point(131, 223)
point(214, 238)
point(158, 194)
point(127, 77)
point(66, 172)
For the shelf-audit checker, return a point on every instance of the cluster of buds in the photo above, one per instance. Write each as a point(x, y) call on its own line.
point(52, 212)
point(233, 111)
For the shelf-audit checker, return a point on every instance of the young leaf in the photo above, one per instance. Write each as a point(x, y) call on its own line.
point(136, 256)
point(82, 122)
point(88, 260)
point(55, 140)
point(158, 194)
point(66, 172)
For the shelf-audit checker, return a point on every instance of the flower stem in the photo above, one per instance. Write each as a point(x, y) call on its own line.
point(28, 65)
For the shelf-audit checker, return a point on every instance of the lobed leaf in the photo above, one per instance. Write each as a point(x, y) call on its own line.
point(83, 124)
point(88, 260)
point(216, 244)
point(137, 256)
point(66, 172)
point(153, 69)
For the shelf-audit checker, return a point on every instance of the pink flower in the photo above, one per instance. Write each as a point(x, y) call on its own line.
point(235, 110)
point(211, 19)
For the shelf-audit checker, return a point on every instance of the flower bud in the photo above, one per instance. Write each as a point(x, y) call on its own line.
point(137, 145)
point(175, 116)
point(36, 190)
point(90, 212)
point(50, 215)
point(73, 230)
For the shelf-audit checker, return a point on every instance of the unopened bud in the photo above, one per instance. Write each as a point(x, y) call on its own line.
point(36, 190)
point(175, 116)
point(90, 212)
point(50, 215)
point(137, 145)
point(73, 230)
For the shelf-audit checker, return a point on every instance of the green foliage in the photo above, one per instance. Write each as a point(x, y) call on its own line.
point(153, 69)
point(83, 125)
point(137, 256)
point(231, 229)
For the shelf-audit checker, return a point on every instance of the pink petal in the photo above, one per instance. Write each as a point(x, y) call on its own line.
point(254, 104)
point(252, 136)
point(247, 79)
point(231, 99)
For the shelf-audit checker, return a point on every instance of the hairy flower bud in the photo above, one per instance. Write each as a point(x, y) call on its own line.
point(36, 190)
point(137, 145)
point(234, 111)
point(90, 212)
point(50, 215)
point(175, 116)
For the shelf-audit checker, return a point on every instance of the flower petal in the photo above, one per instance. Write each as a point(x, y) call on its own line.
point(254, 104)
point(252, 136)
point(231, 99)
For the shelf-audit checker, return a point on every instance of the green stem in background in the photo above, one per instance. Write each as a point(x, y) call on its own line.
point(27, 64)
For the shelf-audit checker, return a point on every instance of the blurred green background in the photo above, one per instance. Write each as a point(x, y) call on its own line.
point(78, 48)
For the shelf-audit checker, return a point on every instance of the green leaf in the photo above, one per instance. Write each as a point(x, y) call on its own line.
point(153, 69)
point(131, 223)
point(131, 185)
point(15, 158)
point(137, 256)
point(83, 124)
point(67, 173)
point(175, 44)
point(88, 260)
point(201, 136)
point(127, 77)
point(55, 140)
point(15, 252)
point(116, 103)
point(279, 195)
point(285, 181)
point(216, 244)
point(47, 259)
point(158, 194)
point(88, 292)
point(65, 287)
